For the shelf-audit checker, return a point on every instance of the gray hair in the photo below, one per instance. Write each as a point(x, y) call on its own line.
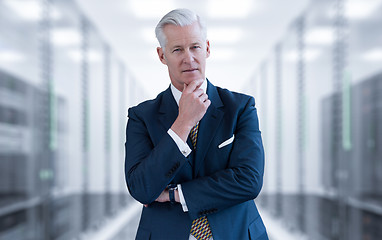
point(179, 17)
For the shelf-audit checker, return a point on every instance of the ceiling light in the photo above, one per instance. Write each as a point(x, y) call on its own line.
point(374, 55)
point(360, 9)
point(9, 56)
point(29, 10)
point(229, 8)
point(224, 35)
point(151, 8)
point(92, 55)
point(320, 36)
point(66, 37)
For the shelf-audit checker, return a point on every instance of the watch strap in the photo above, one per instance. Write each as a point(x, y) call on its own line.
point(171, 190)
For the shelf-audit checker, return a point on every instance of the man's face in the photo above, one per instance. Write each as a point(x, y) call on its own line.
point(185, 54)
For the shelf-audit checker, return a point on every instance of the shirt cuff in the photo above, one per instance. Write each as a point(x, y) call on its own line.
point(181, 198)
point(183, 147)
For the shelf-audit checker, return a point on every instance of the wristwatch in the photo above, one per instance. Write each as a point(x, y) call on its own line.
point(171, 189)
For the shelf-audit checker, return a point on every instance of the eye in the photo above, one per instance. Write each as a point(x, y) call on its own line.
point(196, 47)
point(176, 50)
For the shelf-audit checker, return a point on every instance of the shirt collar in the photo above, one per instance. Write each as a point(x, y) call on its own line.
point(177, 94)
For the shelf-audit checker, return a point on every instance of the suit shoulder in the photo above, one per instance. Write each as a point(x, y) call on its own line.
point(148, 106)
point(232, 98)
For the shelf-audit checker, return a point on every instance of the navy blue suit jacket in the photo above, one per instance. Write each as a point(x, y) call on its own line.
point(220, 183)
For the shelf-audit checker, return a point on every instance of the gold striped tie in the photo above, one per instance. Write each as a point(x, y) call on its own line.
point(194, 134)
point(200, 228)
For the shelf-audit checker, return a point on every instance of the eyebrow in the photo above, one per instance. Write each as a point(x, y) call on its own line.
point(192, 44)
point(196, 43)
point(176, 46)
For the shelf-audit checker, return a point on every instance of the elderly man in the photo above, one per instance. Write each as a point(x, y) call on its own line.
point(194, 154)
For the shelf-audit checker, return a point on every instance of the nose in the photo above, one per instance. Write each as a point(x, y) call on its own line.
point(188, 57)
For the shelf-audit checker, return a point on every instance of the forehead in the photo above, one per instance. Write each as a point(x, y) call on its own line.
point(176, 35)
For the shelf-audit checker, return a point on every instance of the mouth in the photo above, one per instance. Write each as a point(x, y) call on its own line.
point(190, 70)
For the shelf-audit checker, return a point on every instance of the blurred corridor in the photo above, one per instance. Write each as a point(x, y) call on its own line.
point(69, 70)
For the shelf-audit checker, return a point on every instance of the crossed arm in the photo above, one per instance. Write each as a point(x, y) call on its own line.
point(147, 165)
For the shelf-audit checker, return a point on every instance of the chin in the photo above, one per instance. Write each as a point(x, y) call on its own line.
point(190, 80)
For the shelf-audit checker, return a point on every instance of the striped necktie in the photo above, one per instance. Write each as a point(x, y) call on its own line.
point(200, 227)
point(194, 134)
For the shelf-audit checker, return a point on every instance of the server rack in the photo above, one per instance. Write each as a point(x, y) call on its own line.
point(364, 206)
point(25, 175)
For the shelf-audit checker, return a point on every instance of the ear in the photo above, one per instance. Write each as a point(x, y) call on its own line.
point(161, 55)
point(208, 48)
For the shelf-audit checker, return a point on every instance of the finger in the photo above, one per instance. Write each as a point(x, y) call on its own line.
point(191, 87)
point(146, 205)
point(199, 83)
point(207, 103)
point(194, 85)
point(198, 92)
point(203, 97)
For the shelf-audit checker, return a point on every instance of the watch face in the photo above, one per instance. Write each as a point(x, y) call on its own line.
point(172, 186)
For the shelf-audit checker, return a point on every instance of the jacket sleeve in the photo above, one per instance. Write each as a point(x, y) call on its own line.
point(240, 181)
point(149, 169)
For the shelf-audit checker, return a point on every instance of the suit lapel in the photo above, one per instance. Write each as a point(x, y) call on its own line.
point(208, 126)
point(168, 110)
